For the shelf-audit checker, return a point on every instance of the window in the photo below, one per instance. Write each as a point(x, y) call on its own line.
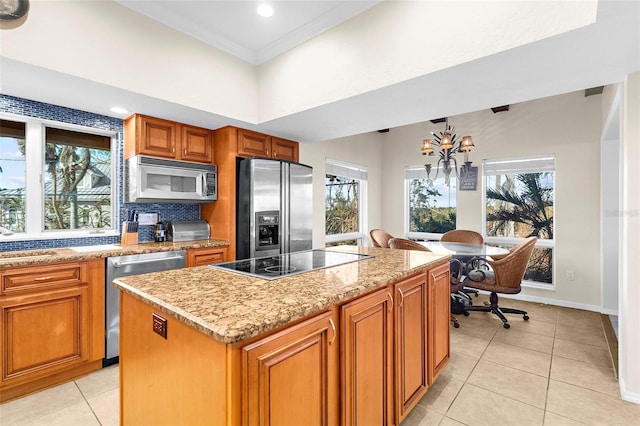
point(430, 204)
point(55, 179)
point(519, 203)
point(345, 203)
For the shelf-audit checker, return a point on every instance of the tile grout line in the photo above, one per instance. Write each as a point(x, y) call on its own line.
point(87, 402)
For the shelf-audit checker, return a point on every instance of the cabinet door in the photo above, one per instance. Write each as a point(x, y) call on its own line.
point(253, 144)
point(156, 137)
point(292, 376)
point(196, 144)
point(205, 256)
point(439, 315)
point(43, 334)
point(366, 332)
point(410, 343)
point(284, 149)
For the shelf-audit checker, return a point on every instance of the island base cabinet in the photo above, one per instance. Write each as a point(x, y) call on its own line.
point(367, 371)
point(439, 319)
point(179, 380)
point(291, 377)
point(411, 348)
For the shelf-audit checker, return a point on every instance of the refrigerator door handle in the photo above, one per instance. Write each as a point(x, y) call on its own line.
point(285, 218)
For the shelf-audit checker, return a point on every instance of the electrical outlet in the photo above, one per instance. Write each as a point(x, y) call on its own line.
point(147, 218)
point(160, 325)
point(571, 276)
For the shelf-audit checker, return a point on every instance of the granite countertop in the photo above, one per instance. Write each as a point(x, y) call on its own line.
point(232, 307)
point(46, 256)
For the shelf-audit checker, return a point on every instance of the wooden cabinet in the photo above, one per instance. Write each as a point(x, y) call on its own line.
point(52, 323)
point(254, 144)
point(366, 331)
point(231, 142)
point(439, 310)
point(156, 137)
point(206, 256)
point(293, 376)
point(411, 344)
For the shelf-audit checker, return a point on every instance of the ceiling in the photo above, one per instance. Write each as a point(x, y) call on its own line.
point(598, 54)
point(236, 28)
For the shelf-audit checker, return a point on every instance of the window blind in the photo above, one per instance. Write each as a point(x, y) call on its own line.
point(344, 169)
point(545, 163)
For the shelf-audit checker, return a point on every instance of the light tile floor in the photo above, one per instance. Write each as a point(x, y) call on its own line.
point(554, 369)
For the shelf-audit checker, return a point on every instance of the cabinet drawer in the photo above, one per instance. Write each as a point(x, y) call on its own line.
point(199, 257)
point(42, 278)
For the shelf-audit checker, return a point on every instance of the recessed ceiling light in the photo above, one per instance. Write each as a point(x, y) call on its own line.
point(119, 110)
point(265, 10)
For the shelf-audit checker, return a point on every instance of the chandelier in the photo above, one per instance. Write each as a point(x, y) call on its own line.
point(449, 145)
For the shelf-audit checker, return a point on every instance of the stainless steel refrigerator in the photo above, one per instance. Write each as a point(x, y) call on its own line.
point(274, 207)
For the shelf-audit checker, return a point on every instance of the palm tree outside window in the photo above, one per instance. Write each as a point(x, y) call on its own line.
point(519, 203)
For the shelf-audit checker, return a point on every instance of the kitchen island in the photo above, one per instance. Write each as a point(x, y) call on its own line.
point(355, 343)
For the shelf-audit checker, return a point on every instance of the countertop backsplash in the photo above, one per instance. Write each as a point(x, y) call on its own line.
point(167, 212)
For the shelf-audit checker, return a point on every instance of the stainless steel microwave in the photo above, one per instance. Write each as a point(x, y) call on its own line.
point(152, 180)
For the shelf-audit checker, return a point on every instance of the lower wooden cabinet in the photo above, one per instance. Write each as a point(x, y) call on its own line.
point(292, 377)
point(52, 324)
point(439, 309)
point(206, 256)
point(366, 331)
point(411, 343)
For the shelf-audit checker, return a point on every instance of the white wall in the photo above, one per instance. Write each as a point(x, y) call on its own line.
point(629, 289)
point(363, 150)
point(568, 126)
point(105, 42)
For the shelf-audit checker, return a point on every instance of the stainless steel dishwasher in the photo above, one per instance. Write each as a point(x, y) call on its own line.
point(122, 266)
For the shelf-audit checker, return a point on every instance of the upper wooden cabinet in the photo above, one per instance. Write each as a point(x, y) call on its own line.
point(156, 137)
point(254, 144)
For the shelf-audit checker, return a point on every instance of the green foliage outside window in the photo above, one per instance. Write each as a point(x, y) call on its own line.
point(424, 214)
point(341, 205)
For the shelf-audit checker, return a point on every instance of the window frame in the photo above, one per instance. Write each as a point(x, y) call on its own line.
point(409, 170)
point(35, 130)
point(360, 173)
point(513, 241)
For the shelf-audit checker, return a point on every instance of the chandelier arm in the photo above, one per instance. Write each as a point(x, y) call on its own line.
point(455, 167)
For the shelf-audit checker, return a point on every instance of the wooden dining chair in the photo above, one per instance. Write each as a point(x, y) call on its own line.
point(463, 236)
point(380, 238)
point(504, 277)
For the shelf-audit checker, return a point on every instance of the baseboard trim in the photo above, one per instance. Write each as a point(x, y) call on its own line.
point(549, 301)
point(626, 395)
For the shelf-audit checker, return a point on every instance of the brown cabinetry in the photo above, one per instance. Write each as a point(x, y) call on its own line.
point(254, 144)
point(366, 331)
point(231, 142)
point(206, 256)
point(293, 375)
point(410, 343)
point(52, 324)
point(439, 310)
point(156, 137)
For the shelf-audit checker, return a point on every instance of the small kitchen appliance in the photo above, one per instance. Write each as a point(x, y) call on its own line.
point(187, 230)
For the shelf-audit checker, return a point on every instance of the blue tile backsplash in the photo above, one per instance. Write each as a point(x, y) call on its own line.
point(24, 107)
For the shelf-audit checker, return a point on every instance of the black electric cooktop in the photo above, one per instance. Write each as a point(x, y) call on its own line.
point(273, 267)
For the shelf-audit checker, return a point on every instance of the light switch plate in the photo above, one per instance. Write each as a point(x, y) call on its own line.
point(147, 218)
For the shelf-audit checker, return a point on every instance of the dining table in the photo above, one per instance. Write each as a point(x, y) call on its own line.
point(469, 254)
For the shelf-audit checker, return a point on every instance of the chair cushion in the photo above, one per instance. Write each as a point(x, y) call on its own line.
point(486, 280)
